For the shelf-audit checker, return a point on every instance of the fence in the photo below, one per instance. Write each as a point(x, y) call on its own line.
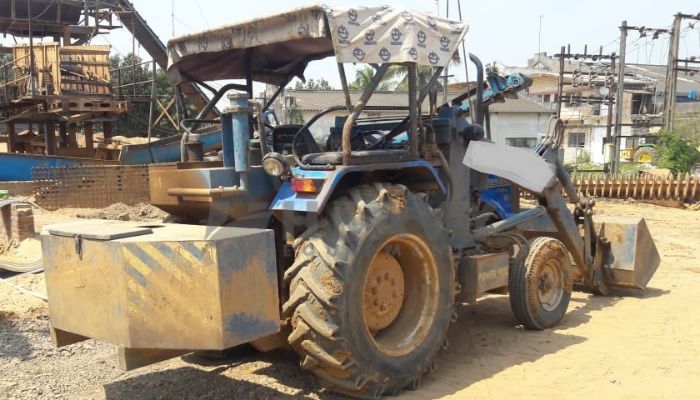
point(90, 186)
point(640, 187)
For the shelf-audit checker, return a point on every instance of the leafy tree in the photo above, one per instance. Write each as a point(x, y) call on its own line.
point(296, 116)
point(5, 59)
point(399, 73)
point(676, 153)
point(313, 84)
point(396, 77)
point(363, 77)
point(135, 122)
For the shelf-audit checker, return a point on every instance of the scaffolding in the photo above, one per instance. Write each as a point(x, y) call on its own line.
point(67, 85)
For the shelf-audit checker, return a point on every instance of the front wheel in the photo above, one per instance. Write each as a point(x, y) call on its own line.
point(372, 292)
point(540, 287)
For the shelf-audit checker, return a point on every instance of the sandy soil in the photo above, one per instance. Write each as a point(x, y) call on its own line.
point(629, 345)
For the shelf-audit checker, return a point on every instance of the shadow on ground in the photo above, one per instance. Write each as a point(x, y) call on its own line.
point(13, 343)
point(483, 342)
point(487, 340)
point(241, 373)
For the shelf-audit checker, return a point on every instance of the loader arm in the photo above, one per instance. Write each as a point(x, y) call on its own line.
point(595, 258)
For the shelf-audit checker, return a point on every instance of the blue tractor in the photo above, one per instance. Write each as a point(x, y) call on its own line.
point(352, 253)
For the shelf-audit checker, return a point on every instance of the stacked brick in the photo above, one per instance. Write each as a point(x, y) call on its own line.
point(17, 222)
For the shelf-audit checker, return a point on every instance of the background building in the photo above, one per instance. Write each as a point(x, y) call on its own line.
point(517, 122)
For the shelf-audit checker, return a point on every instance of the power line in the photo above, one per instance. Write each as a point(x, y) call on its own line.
point(201, 13)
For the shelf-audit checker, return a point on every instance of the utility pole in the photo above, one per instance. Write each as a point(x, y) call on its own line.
point(539, 39)
point(619, 106)
point(560, 88)
point(172, 16)
point(610, 84)
point(672, 73)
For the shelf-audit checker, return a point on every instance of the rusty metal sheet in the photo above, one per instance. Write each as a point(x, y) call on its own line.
point(633, 258)
point(181, 287)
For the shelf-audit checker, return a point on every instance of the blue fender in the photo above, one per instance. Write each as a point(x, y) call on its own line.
point(498, 196)
point(419, 172)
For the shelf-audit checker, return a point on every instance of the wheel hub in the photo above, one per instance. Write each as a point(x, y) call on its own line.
point(550, 289)
point(383, 291)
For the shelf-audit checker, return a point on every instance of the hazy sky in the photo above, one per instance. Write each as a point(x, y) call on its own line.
point(504, 31)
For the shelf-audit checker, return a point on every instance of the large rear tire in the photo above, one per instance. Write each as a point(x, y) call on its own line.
point(540, 287)
point(371, 292)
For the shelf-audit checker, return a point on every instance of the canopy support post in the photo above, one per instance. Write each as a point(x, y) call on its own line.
point(357, 110)
point(344, 82)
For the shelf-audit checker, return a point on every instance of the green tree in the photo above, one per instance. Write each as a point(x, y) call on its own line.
point(676, 153)
point(5, 59)
point(363, 77)
point(125, 71)
point(399, 74)
point(312, 84)
point(296, 116)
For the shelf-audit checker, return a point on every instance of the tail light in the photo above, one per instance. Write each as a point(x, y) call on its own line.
point(307, 186)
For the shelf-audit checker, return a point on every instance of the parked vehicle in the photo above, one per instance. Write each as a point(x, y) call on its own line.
point(354, 255)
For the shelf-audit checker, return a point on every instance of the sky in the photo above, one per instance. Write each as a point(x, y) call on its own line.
point(505, 31)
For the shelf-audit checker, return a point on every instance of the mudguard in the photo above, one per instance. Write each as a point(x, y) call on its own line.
point(417, 174)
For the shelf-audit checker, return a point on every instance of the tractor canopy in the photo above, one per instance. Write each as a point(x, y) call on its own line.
point(273, 48)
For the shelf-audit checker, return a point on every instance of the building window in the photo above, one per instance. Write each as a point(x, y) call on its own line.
point(547, 98)
point(577, 139)
point(522, 142)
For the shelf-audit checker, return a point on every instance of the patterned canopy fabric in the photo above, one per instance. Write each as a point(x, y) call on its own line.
point(281, 45)
point(380, 34)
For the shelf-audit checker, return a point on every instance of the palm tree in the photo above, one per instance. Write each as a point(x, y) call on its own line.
point(396, 77)
point(363, 77)
point(399, 74)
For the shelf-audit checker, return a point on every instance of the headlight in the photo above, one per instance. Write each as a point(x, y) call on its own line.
point(275, 164)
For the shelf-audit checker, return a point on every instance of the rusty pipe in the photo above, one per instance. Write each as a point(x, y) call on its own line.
point(357, 110)
point(220, 192)
point(258, 106)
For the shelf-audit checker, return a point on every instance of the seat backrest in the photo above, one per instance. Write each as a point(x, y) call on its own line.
point(283, 137)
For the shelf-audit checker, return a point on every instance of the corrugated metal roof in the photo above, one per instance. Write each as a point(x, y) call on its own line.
point(317, 100)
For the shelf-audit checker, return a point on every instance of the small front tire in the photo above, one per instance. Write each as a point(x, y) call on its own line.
point(540, 287)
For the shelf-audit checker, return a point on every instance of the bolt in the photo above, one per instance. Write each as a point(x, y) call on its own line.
point(382, 308)
point(386, 276)
point(374, 290)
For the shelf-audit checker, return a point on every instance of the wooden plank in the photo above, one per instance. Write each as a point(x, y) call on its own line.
point(686, 187)
point(621, 180)
point(89, 140)
point(639, 186)
point(11, 146)
point(50, 139)
point(63, 135)
point(693, 196)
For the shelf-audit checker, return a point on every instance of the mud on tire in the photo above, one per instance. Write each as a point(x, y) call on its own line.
point(336, 273)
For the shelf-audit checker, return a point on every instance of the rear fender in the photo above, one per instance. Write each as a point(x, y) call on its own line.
point(416, 175)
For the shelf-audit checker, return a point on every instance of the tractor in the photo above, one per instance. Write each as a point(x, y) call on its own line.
point(353, 253)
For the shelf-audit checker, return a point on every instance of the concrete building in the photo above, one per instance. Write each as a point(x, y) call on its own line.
point(517, 122)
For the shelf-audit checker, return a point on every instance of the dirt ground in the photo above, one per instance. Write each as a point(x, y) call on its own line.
point(629, 345)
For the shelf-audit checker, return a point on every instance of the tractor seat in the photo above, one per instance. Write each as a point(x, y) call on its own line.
point(359, 157)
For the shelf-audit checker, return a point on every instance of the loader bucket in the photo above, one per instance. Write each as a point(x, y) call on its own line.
point(633, 257)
